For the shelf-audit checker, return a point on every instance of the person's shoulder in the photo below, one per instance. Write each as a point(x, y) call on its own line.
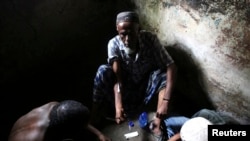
point(114, 41)
point(48, 105)
point(43, 109)
point(115, 38)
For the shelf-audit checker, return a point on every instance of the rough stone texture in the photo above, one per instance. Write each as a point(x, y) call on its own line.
point(215, 34)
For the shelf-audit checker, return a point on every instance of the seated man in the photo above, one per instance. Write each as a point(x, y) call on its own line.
point(54, 121)
point(139, 69)
point(198, 123)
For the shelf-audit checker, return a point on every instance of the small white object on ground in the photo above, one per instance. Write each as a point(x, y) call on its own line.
point(130, 135)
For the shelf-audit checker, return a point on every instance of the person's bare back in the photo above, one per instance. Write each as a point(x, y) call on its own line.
point(54, 121)
point(32, 126)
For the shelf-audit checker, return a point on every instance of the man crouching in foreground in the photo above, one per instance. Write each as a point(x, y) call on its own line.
point(55, 121)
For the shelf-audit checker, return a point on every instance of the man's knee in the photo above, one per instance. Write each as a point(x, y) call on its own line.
point(105, 71)
point(203, 113)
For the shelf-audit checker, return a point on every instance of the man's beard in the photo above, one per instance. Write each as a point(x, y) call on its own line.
point(129, 51)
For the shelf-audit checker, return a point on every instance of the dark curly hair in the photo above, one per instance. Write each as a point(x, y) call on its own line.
point(67, 120)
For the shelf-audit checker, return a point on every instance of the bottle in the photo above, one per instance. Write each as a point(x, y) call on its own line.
point(130, 125)
point(143, 120)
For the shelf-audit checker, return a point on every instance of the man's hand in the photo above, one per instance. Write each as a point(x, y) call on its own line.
point(103, 138)
point(98, 133)
point(175, 137)
point(120, 116)
point(162, 110)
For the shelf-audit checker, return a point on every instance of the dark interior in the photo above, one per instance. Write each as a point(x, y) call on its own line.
point(42, 65)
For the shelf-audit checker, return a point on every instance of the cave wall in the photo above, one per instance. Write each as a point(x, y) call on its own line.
point(216, 36)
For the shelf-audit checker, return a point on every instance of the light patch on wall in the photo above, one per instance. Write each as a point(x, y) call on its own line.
point(216, 35)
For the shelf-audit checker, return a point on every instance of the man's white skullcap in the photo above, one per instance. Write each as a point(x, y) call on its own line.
point(127, 16)
point(195, 129)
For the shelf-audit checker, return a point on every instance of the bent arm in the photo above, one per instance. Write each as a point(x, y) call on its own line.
point(175, 137)
point(118, 92)
point(98, 133)
point(171, 76)
point(165, 95)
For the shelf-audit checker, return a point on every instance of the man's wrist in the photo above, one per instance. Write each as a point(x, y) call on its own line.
point(165, 99)
point(161, 116)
